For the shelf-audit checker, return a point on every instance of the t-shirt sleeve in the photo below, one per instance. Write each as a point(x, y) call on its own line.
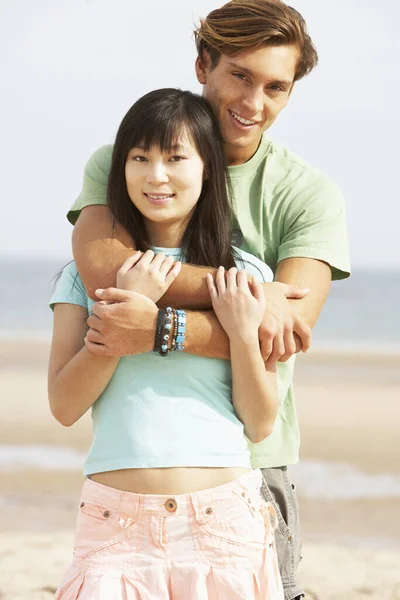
point(253, 265)
point(94, 185)
point(315, 227)
point(70, 289)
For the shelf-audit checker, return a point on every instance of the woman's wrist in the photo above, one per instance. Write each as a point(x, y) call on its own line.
point(244, 340)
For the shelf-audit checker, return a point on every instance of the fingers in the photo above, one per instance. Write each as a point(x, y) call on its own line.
point(211, 288)
point(95, 337)
point(94, 322)
point(278, 348)
point(165, 265)
point(220, 280)
point(231, 281)
point(290, 345)
point(266, 346)
point(97, 349)
point(173, 274)
point(147, 258)
point(242, 280)
point(130, 262)
point(258, 291)
point(304, 332)
point(157, 262)
point(112, 295)
point(294, 292)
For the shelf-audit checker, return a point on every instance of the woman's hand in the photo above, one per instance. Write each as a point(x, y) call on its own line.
point(239, 311)
point(148, 274)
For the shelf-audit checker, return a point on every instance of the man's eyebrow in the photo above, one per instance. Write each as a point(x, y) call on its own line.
point(283, 82)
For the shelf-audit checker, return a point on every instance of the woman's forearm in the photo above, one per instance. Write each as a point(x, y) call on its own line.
point(254, 389)
point(74, 389)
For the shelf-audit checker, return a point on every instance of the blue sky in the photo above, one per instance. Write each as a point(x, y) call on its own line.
point(71, 68)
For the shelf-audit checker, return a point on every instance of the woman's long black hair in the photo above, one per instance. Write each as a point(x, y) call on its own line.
point(159, 119)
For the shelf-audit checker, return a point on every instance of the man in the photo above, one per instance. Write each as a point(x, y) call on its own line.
point(250, 54)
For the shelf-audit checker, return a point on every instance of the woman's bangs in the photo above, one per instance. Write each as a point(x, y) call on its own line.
point(164, 132)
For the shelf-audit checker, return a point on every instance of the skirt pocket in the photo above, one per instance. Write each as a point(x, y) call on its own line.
point(229, 531)
point(101, 529)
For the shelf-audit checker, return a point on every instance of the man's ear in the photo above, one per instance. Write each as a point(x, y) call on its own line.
point(202, 67)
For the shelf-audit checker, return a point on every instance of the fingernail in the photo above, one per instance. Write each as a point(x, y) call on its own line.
point(99, 292)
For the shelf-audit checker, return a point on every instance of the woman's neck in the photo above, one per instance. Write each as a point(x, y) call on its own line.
point(165, 235)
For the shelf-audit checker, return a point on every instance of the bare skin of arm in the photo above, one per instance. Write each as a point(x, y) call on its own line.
point(76, 377)
point(99, 252)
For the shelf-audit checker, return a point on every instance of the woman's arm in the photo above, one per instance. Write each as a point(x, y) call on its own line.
point(254, 388)
point(76, 377)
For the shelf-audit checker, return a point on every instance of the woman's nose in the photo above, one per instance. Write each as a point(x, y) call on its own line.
point(157, 175)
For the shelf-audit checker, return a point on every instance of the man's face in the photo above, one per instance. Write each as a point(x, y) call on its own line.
point(247, 92)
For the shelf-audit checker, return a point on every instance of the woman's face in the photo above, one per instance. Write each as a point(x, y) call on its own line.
point(165, 186)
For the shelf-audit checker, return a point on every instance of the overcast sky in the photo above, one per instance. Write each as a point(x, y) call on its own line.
point(70, 69)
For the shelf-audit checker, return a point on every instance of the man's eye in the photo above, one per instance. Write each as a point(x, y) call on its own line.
point(239, 76)
point(276, 88)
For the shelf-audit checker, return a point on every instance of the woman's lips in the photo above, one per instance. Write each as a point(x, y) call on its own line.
point(159, 199)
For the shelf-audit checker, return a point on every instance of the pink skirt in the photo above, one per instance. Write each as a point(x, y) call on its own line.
point(216, 544)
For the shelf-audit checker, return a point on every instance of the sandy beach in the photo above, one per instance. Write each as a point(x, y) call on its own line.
point(349, 411)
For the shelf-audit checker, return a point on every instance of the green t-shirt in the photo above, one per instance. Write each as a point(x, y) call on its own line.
point(283, 208)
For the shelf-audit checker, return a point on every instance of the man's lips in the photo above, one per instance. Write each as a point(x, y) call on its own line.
point(241, 121)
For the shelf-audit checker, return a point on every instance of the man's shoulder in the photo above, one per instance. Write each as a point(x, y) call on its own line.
point(286, 168)
point(100, 160)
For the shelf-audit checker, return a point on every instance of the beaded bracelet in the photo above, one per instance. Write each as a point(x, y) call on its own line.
point(179, 338)
point(170, 321)
point(166, 331)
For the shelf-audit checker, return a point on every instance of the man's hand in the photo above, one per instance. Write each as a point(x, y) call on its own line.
point(283, 332)
point(122, 323)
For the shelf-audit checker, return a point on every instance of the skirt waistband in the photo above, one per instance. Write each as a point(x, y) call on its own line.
point(247, 486)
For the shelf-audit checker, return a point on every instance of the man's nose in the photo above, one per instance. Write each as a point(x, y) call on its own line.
point(157, 174)
point(254, 102)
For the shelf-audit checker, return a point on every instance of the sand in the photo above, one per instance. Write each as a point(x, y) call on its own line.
point(349, 411)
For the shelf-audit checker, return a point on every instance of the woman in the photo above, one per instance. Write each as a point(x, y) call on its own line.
point(170, 507)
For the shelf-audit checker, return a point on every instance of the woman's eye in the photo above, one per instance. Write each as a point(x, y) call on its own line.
point(177, 158)
point(139, 158)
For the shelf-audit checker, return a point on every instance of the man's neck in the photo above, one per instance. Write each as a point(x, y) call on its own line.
point(238, 156)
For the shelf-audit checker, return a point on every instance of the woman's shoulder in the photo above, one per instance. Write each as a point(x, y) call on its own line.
point(69, 287)
point(252, 264)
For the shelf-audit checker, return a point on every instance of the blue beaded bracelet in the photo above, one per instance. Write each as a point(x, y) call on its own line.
point(180, 330)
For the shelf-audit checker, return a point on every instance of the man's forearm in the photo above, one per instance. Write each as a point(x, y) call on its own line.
point(205, 336)
point(100, 248)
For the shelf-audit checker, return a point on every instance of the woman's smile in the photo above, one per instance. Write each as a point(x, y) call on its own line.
point(158, 199)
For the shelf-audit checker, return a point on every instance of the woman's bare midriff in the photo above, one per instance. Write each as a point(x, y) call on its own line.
point(176, 480)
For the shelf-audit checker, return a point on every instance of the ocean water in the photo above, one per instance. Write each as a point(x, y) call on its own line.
point(314, 479)
point(362, 311)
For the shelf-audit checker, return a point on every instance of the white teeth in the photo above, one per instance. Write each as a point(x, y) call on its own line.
point(159, 197)
point(241, 120)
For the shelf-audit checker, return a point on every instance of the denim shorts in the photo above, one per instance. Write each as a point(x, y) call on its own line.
point(215, 543)
point(277, 490)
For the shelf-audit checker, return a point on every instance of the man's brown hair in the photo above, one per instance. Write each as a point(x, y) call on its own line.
point(241, 25)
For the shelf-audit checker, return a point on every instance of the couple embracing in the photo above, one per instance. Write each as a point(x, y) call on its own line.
point(203, 255)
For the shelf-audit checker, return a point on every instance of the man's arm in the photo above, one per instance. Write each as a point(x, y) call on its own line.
point(100, 248)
